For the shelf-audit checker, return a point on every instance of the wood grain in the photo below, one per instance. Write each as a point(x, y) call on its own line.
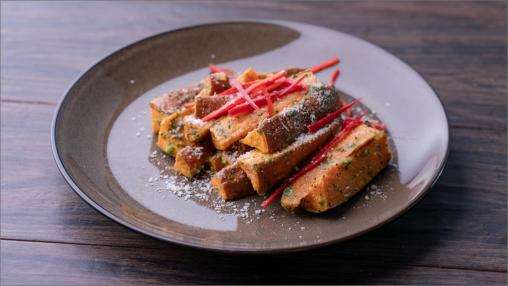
point(447, 43)
point(85, 264)
point(455, 235)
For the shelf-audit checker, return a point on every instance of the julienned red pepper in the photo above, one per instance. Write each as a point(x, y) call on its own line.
point(242, 98)
point(317, 159)
point(269, 103)
point(233, 90)
point(261, 101)
point(291, 88)
point(243, 93)
point(344, 103)
point(348, 125)
point(334, 77)
point(330, 117)
point(377, 125)
point(324, 65)
point(266, 81)
point(224, 109)
point(293, 84)
point(277, 84)
point(214, 69)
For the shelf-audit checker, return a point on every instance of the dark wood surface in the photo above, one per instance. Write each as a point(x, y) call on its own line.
point(455, 235)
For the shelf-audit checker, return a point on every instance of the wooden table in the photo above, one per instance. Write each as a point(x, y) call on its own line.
point(457, 234)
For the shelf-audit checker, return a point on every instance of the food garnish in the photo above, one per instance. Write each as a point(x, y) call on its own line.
point(215, 69)
point(348, 126)
point(330, 117)
point(334, 77)
point(324, 65)
point(243, 93)
point(254, 129)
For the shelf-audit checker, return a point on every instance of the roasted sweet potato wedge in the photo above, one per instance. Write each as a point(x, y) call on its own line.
point(266, 170)
point(279, 131)
point(190, 160)
point(229, 129)
point(232, 183)
point(171, 102)
point(348, 168)
point(171, 138)
point(195, 129)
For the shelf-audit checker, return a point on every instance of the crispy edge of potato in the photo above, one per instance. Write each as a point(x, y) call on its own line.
point(279, 131)
point(218, 161)
point(256, 139)
point(324, 188)
point(232, 183)
point(266, 170)
point(194, 129)
point(225, 130)
point(157, 117)
point(190, 160)
point(167, 142)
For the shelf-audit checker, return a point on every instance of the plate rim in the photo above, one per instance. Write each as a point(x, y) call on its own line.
point(225, 248)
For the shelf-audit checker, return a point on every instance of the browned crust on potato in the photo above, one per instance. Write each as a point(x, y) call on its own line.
point(348, 168)
point(279, 131)
point(266, 170)
point(190, 160)
point(171, 138)
point(232, 183)
point(227, 157)
point(229, 129)
point(204, 105)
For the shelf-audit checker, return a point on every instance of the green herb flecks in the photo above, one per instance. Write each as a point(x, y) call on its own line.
point(288, 192)
point(170, 150)
point(352, 145)
point(346, 163)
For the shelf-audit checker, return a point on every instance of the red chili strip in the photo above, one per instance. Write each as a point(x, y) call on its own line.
point(293, 84)
point(334, 77)
point(276, 85)
point(224, 109)
point(214, 69)
point(269, 103)
point(377, 125)
point(316, 160)
point(348, 125)
point(233, 90)
point(324, 65)
point(331, 116)
point(188, 105)
point(291, 88)
point(243, 93)
point(349, 112)
point(291, 180)
point(266, 81)
point(261, 101)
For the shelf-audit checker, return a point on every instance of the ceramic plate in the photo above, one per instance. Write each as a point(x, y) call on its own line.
point(104, 148)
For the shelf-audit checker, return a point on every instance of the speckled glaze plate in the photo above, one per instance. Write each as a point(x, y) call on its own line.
point(103, 146)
